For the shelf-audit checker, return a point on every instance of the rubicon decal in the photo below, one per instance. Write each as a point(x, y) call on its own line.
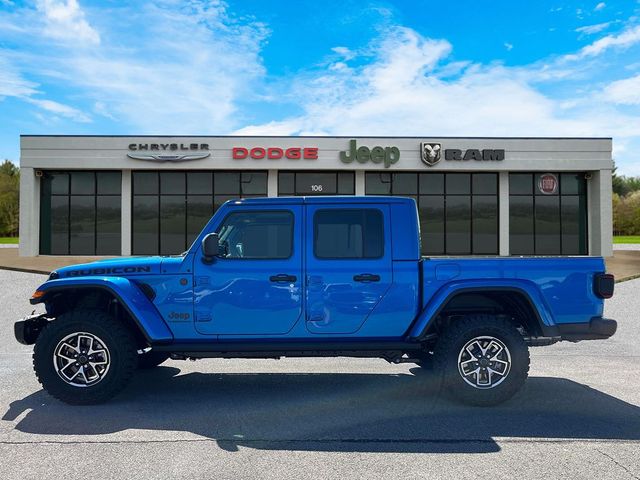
point(275, 153)
point(108, 271)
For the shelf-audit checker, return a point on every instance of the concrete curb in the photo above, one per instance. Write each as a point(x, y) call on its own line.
point(24, 270)
point(629, 277)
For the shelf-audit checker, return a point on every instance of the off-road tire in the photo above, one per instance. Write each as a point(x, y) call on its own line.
point(453, 340)
point(151, 359)
point(119, 341)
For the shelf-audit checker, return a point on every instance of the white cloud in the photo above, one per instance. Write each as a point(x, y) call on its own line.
point(627, 38)
point(591, 29)
point(11, 82)
point(405, 55)
point(625, 91)
point(600, 6)
point(508, 46)
point(287, 127)
point(101, 109)
point(346, 53)
point(403, 92)
point(65, 20)
point(60, 109)
point(172, 67)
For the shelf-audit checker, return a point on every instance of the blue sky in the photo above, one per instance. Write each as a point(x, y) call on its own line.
point(426, 68)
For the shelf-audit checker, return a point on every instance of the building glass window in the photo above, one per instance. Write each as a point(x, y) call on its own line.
point(316, 183)
point(545, 220)
point(170, 208)
point(458, 211)
point(80, 213)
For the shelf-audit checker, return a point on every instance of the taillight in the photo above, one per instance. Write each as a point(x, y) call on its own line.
point(603, 285)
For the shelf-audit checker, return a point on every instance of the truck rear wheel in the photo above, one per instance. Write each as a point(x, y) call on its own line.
point(483, 360)
point(84, 357)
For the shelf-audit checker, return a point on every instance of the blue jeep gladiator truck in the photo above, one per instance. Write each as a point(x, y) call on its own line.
point(320, 276)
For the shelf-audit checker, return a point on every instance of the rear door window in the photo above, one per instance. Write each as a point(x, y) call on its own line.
point(348, 233)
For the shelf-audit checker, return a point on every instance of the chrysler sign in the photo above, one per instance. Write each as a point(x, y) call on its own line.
point(196, 151)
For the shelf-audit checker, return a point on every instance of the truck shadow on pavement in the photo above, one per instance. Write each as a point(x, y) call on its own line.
point(333, 412)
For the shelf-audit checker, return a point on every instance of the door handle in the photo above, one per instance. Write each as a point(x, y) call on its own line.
point(283, 277)
point(366, 277)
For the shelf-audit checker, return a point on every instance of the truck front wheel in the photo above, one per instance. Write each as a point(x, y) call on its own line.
point(84, 357)
point(483, 360)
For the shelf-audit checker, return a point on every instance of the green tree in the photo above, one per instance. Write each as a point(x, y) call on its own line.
point(9, 199)
point(623, 185)
point(626, 214)
point(616, 200)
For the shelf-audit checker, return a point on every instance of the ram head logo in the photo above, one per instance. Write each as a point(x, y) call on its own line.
point(430, 153)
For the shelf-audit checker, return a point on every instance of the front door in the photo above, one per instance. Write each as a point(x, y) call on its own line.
point(255, 286)
point(349, 266)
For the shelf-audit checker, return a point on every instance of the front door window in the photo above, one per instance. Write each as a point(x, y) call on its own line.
point(254, 287)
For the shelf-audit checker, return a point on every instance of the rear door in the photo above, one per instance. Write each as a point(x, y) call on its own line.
point(255, 286)
point(348, 263)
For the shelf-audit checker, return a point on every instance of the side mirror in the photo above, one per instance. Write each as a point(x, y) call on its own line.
point(210, 248)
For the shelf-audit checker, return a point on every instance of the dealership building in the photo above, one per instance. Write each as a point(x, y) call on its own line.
point(141, 195)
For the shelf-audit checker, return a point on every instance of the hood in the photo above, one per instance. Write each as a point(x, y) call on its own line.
point(118, 267)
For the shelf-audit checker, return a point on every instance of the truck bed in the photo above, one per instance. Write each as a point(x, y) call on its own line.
point(562, 287)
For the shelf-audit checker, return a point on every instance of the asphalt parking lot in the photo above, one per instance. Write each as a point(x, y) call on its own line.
point(577, 417)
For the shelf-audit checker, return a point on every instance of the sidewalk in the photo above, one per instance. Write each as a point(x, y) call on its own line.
point(625, 264)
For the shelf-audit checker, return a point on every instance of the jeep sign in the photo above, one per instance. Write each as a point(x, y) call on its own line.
point(388, 155)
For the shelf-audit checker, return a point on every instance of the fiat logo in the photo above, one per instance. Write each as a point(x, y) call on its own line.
point(548, 184)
